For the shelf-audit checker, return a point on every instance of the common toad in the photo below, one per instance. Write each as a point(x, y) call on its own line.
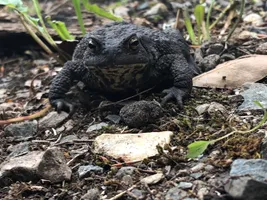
point(123, 57)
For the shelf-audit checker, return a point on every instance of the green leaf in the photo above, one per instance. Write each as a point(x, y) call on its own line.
point(15, 4)
point(99, 11)
point(77, 7)
point(197, 148)
point(199, 13)
point(189, 27)
point(35, 21)
point(60, 28)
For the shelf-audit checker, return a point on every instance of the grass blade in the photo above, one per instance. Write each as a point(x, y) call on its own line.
point(189, 27)
point(77, 7)
point(99, 11)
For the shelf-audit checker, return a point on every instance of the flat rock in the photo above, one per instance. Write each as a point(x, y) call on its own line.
point(176, 194)
point(158, 9)
point(96, 127)
point(153, 179)
point(216, 48)
point(84, 171)
point(255, 168)
point(49, 165)
point(92, 194)
point(131, 147)
point(254, 92)
point(21, 131)
point(128, 170)
point(53, 119)
point(253, 18)
point(213, 109)
point(246, 188)
point(19, 149)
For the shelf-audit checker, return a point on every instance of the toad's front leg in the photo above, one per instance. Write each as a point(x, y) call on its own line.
point(182, 76)
point(72, 70)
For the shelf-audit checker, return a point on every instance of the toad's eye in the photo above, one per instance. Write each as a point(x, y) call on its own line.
point(92, 44)
point(133, 43)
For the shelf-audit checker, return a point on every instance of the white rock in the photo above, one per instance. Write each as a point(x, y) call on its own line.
point(96, 127)
point(131, 147)
point(254, 19)
point(153, 179)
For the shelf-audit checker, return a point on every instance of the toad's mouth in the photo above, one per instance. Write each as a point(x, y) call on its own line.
point(121, 66)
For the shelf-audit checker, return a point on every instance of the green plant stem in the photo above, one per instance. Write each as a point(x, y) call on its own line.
point(248, 131)
point(189, 27)
point(77, 7)
point(238, 20)
point(208, 19)
point(38, 12)
point(51, 42)
point(37, 39)
point(229, 7)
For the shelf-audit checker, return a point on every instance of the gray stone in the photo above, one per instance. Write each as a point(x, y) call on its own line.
point(140, 113)
point(53, 119)
point(198, 55)
point(121, 11)
point(216, 48)
point(176, 194)
point(19, 149)
point(202, 192)
point(209, 168)
point(196, 175)
point(158, 9)
point(262, 49)
point(68, 139)
point(140, 194)
point(129, 170)
point(264, 147)
point(226, 57)
point(198, 167)
point(53, 166)
point(177, 5)
point(84, 171)
point(153, 179)
point(253, 18)
point(255, 168)
point(21, 131)
point(246, 188)
point(92, 194)
point(96, 127)
point(254, 92)
point(49, 165)
point(185, 185)
point(114, 118)
point(209, 62)
point(67, 126)
point(127, 180)
point(213, 109)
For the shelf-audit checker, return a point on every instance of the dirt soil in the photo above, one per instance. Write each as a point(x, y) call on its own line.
point(22, 61)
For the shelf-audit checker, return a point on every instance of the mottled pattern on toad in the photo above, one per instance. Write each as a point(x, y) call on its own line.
point(123, 57)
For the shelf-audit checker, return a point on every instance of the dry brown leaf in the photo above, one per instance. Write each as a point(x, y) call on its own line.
point(234, 73)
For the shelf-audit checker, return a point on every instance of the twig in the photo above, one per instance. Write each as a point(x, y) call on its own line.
point(32, 90)
point(176, 25)
point(23, 118)
point(228, 22)
point(122, 193)
point(229, 7)
point(238, 20)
